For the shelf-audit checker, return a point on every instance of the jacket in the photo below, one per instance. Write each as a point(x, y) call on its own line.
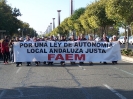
point(4, 47)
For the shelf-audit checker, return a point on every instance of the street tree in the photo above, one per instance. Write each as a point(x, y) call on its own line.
point(96, 15)
point(121, 11)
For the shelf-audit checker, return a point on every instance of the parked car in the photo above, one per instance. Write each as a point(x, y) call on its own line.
point(122, 40)
point(131, 40)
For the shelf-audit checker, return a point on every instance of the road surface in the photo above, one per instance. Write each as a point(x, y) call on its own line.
point(67, 82)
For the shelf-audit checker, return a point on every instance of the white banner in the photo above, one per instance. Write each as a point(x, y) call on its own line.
point(66, 51)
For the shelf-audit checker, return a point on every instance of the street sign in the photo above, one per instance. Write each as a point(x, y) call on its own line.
point(2, 30)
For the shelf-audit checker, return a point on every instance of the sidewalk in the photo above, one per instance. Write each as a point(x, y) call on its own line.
point(127, 59)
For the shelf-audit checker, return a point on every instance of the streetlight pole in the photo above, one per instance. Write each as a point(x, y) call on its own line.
point(53, 23)
point(58, 16)
point(73, 31)
point(71, 7)
point(50, 27)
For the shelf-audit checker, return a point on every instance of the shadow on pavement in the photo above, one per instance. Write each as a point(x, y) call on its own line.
point(48, 92)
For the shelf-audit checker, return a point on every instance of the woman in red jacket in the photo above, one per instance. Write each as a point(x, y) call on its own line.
point(5, 50)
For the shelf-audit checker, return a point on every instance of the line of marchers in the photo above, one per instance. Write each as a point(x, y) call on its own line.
point(66, 50)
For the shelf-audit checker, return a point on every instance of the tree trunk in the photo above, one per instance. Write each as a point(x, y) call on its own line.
point(104, 29)
point(126, 38)
point(101, 31)
point(94, 33)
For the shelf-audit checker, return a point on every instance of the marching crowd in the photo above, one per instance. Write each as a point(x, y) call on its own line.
point(6, 47)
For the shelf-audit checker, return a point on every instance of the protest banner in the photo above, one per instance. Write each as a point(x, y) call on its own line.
point(67, 51)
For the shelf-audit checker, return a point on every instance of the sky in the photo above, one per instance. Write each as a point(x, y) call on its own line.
point(39, 13)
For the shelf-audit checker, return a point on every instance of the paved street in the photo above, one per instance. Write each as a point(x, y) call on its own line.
point(67, 82)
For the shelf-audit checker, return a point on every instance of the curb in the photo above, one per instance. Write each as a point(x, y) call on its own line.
point(127, 59)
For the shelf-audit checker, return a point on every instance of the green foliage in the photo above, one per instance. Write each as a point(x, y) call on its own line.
point(77, 13)
point(98, 17)
point(9, 21)
point(84, 21)
point(127, 52)
point(120, 10)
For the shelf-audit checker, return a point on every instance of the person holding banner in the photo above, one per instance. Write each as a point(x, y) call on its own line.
point(51, 39)
point(28, 40)
point(35, 40)
point(62, 39)
point(114, 39)
point(91, 39)
point(18, 63)
point(45, 39)
point(104, 39)
point(72, 39)
point(82, 38)
point(78, 38)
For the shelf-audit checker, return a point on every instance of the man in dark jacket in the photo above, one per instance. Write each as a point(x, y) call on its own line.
point(104, 39)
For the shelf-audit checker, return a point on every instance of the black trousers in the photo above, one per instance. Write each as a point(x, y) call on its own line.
point(17, 63)
point(5, 56)
point(36, 62)
point(62, 62)
point(28, 63)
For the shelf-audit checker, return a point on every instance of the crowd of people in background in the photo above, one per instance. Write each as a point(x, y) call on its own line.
point(6, 47)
